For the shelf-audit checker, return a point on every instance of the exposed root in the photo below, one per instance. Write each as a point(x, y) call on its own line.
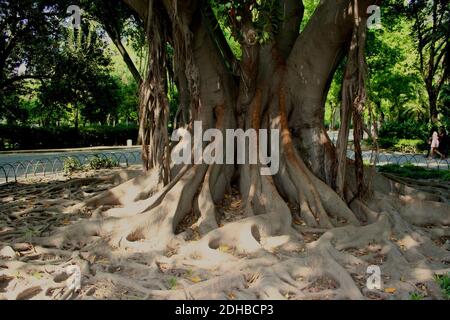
point(266, 256)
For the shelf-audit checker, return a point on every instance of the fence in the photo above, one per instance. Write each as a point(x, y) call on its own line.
point(54, 165)
point(419, 160)
point(384, 158)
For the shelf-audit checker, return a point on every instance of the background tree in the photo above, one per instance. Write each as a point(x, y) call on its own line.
point(29, 35)
point(118, 21)
point(80, 77)
point(432, 33)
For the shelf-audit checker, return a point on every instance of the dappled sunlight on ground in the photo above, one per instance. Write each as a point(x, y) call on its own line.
point(279, 267)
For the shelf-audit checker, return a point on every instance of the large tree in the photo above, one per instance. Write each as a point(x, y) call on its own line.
point(114, 17)
point(280, 82)
point(29, 32)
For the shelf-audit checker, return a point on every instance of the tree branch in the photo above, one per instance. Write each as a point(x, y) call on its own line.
point(139, 6)
point(115, 37)
point(311, 66)
point(218, 37)
point(293, 11)
point(12, 80)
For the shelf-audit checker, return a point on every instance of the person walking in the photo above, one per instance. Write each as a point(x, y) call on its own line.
point(434, 148)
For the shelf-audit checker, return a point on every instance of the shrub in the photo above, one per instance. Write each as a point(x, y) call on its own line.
point(409, 129)
point(416, 296)
point(409, 145)
point(444, 282)
point(408, 136)
point(387, 143)
point(96, 163)
point(71, 165)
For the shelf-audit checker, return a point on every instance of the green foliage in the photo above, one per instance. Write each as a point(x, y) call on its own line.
point(416, 296)
point(25, 137)
point(264, 16)
point(415, 172)
point(30, 30)
point(409, 129)
point(444, 282)
point(431, 31)
point(173, 282)
point(71, 165)
point(407, 136)
point(96, 163)
point(310, 6)
point(395, 85)
point(387, 143)
point(80, 81)
point(68, 77)
point(410, 145)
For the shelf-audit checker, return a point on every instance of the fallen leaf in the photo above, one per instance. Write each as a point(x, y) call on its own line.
point(224, 248)
point(390, 290)
point(195, 279)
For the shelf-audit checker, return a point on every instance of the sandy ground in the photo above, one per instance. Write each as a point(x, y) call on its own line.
point(37, 206)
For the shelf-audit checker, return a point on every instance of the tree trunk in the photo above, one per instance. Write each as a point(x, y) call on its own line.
point(282, 86)
point(432, 100)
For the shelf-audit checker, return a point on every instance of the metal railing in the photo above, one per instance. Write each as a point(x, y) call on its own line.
point(54, 165)
point(419, 160)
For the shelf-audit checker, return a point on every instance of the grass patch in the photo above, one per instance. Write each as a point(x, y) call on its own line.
point(172, 283)
point(416, 296)
point(415, 172)
point(444, 282)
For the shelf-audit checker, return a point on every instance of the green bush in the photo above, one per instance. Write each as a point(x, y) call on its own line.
point(409, 145)
point(71, 165)
point(387, 143)
point(22, 137)
point(409, 129)
point(408, 136)
point(444, 282)
point(416, 296)
point(96, 163)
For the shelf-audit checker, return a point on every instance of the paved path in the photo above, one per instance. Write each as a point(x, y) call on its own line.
point(405, 158)
point(32, 155)
point(50, 162)
point(46, 163)
point(396, 157)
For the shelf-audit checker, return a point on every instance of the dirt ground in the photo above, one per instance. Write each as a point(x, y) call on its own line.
point(35, 208)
